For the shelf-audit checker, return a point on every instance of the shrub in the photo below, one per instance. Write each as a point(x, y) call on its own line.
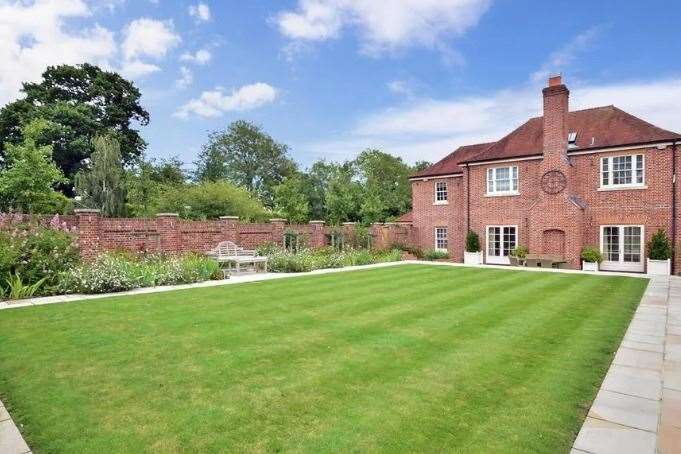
point(659, 246)
point(520, 252)
point(36, 253)
point(283, 261)
point(115, 272)
point(472, 242)
point(434, 254)
point(591, 254)
point(413, 250)
point(17, 289)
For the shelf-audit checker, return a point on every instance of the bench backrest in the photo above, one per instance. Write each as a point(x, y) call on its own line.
point(229, 249)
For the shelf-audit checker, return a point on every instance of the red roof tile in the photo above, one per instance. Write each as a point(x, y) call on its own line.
point(406, 217)
point(599, 127)
point(450, 164)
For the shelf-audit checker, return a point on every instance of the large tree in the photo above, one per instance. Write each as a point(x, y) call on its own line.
point(80, 102)
point(247, 156)
point(291, 201)
point(148, 179)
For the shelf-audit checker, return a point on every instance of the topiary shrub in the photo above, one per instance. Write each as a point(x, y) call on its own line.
point(472, 242)
point(659, 246)
point(591, 254)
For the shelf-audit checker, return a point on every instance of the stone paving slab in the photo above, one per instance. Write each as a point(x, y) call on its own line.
point(634, 382)
point(636, 412)
point(604, 437)
point(11, 441)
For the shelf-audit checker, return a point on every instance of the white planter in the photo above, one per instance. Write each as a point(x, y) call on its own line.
point(659, 267)
point(472, 258)
point(589, 266)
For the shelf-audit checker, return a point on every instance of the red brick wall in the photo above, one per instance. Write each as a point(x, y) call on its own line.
point(545, 222)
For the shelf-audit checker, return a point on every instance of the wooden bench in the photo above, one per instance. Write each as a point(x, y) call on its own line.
point(231, 254)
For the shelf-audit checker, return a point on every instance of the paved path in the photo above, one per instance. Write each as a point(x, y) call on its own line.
point(638, 407)
point(11, 441)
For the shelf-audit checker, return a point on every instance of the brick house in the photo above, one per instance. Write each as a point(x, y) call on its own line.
point(599, 177)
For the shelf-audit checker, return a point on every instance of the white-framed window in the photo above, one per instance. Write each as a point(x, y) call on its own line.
point(501, 240)
point(622, 171)
point(622, 247)
point(441, 192)
point(502, 180)
point(441, 238)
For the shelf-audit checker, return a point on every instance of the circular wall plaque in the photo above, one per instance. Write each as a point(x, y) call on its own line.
point(553, 182)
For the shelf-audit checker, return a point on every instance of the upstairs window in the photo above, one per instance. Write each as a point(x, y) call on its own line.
point(441, 192)
point(622, 171)
point(502, 180)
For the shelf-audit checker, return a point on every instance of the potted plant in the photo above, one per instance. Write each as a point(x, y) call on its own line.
point(659, 254)
point(518, 255)
point(591, 257)
point(472, 254)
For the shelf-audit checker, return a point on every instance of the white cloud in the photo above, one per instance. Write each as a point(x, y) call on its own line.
point(400, 87)
point(383, 25)
point(34, 35)
point(200, 12)
point(215, 102)
point(149, 38)
point(201, 57)
point(134, 69)
point(429, 128)
point(186, 77)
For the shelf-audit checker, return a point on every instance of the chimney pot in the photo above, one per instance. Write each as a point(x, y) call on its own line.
point(555, 80)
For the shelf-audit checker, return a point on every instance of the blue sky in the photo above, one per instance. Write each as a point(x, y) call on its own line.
point(415, 78)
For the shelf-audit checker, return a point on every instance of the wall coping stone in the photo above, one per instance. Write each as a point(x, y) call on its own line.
point(349, 223)
point(87, 211)
point(167, 215)
point(230, 217)
point(278, 220)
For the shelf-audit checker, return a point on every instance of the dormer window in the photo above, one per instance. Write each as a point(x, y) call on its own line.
point(441, 193)
point(572, 140)
point(622, 172)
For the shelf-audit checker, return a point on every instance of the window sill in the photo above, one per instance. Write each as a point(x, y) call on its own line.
point(441, 202)
point(502, 194)
point(623, 187)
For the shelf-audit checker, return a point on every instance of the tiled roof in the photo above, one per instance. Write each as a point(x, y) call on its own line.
point(450, 164)
point(599, 127)
point(406, 217)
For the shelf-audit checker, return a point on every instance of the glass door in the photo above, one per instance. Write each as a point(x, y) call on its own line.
point(501, 239)
point(622, 248)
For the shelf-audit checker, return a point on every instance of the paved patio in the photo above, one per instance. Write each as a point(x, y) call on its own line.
point(638, 407)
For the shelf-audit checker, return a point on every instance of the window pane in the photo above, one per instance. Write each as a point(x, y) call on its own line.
point(490, 180)
point(514, 178)
point(639, 168)
point(632, 244)
point(441, 238)
point(503, 179)
point(509, 240)
point(611, 244)
point(604, 172)
point(621, 170)
point(494, 241)
point(441, 191)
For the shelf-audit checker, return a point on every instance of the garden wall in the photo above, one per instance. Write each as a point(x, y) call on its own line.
point(170, 234)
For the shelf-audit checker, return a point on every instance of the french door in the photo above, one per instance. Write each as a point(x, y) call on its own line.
point(501, 239)
point(622, 248)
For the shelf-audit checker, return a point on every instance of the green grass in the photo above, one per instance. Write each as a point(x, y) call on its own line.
point(405, 358)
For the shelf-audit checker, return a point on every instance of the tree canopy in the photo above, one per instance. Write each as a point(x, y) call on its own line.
point(80, 102)
point(101, 185)
point(246, 156)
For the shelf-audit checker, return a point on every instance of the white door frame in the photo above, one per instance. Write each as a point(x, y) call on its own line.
point(498, 259)
point(621, 265)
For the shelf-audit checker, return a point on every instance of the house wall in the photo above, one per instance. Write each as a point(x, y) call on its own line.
point(548, 223)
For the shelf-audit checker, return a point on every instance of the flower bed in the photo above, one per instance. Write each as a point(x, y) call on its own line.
point(283, 261)
point(116, 272)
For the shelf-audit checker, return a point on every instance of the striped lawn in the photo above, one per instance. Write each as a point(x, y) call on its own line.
point(404, 358)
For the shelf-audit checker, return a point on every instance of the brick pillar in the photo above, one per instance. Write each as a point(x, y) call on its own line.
point(89, 232)
point(317, 234)
point(278, 227)
point(167, 226)
point(229, 228)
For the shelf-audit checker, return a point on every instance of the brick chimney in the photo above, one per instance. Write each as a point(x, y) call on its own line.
point(555, 121)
